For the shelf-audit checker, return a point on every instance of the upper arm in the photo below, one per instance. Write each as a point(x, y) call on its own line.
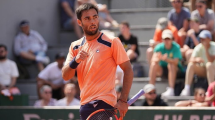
point(44, 74)
point(15, 72)
point(177, 54)
point(125, 66)
point(118, 51)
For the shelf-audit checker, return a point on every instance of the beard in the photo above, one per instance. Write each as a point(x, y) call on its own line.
point(2, 57)
point(88, 32)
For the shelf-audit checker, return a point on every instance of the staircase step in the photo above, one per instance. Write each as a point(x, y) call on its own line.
point(148, 16)
point(120, 4)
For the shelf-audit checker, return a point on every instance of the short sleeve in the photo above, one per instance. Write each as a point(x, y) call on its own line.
point(134, 40)
point(177, 52)
point(157, 48)
point(15, 72)
point(187, 41)
point(195, 52)
point(169, 15)
point(70, 55)
point(119, 53)
point(211, 15)
point(44, 74)
point(157, 35)
point(210, 90)
point(187, 13)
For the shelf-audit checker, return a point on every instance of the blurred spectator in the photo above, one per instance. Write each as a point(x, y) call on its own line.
point(211, 93)
point(52, 76)
point(118, 91)
point(166, 61)
point(46, 94)
point(129, 41)
point(69, 100)
point(210, 4)
point(201, 62)
point(151, 98)
point(105, 18)
point(192, 39)
point(162, 24)
point(119, 76)
point(8, 70)
point(30, 46)
point(178, 17)
point(205, 16)
point(199, 100)
point(68, 17)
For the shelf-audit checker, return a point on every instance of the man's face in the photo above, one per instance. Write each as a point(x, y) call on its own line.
point(177, 4)
point(205, 41)
point(47, 94)
point(167, 42)
point(3, 53)
point(25, 29)
point(60, 62)
point(151, 95)
point(123, 29)
point(194, 25)
point(200, 6)
point(70, 90)
point(200, 96)
point(89, 22)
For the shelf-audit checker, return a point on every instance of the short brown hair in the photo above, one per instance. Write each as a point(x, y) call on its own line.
point(84, 7)
point(125, 23)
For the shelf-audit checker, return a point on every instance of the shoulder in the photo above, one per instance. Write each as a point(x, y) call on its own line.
point(34, 32)
point(60, 102)
point(176, 45)
point(11, 62)
point(199, 46)
point(212, 44)
point(159, 46)
point(210, 11)
point(107, 39)
point(77, 43)
point(37, 103)
point(133, 36)
point(185, 10)
point(195, 12)
point(172, 11)
point(76, 100)
point(19, 36)
point(52, 65)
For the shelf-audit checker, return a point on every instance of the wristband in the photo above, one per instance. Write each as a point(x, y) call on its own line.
point(122, 101)
point(73, 64)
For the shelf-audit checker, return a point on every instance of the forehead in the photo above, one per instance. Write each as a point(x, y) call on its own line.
point(88, 13)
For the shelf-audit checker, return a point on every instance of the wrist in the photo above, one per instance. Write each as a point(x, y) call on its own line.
point(123, 101)
point(73, 64)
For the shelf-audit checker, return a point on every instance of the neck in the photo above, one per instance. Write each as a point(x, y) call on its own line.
point(59, 66)
point(45, 102)
point(168, 47)
point(178, 10)
point(150, 102)
point(202, 13)
point(126, 35)
point(92, 37)
point(69, 99)
point(3, 60)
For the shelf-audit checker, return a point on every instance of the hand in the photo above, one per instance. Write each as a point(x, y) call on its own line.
point(191, 33)
point(122, 107)
point(199, 60)
point(164, 57)
point(54, 87)
point(82, 55)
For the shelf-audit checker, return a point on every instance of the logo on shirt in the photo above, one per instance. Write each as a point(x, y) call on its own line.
point(94, 105)
point(171, 55)
point(97, 51)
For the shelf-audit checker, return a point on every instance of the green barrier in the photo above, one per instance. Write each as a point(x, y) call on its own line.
point(134, 113)
point(17, 100)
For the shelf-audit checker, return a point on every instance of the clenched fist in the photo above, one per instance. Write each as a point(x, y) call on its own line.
point(82, 55)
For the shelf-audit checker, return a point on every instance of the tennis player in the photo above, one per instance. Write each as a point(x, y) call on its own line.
point(95, 57)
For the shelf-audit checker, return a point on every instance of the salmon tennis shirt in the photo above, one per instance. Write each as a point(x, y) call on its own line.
point(96, 74)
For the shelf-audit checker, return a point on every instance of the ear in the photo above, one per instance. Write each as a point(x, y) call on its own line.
point(79, 22)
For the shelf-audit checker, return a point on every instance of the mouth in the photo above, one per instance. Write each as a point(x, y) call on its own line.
point(93, 28)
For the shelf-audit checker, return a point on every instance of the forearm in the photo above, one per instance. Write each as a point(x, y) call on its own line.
point(172, 61)
point(127, 82)
point(195, 41)
point(67, 9)
point(183, 103)
point(68, 72)
point(13, 82)
point(211, 98)
point(43, 81)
